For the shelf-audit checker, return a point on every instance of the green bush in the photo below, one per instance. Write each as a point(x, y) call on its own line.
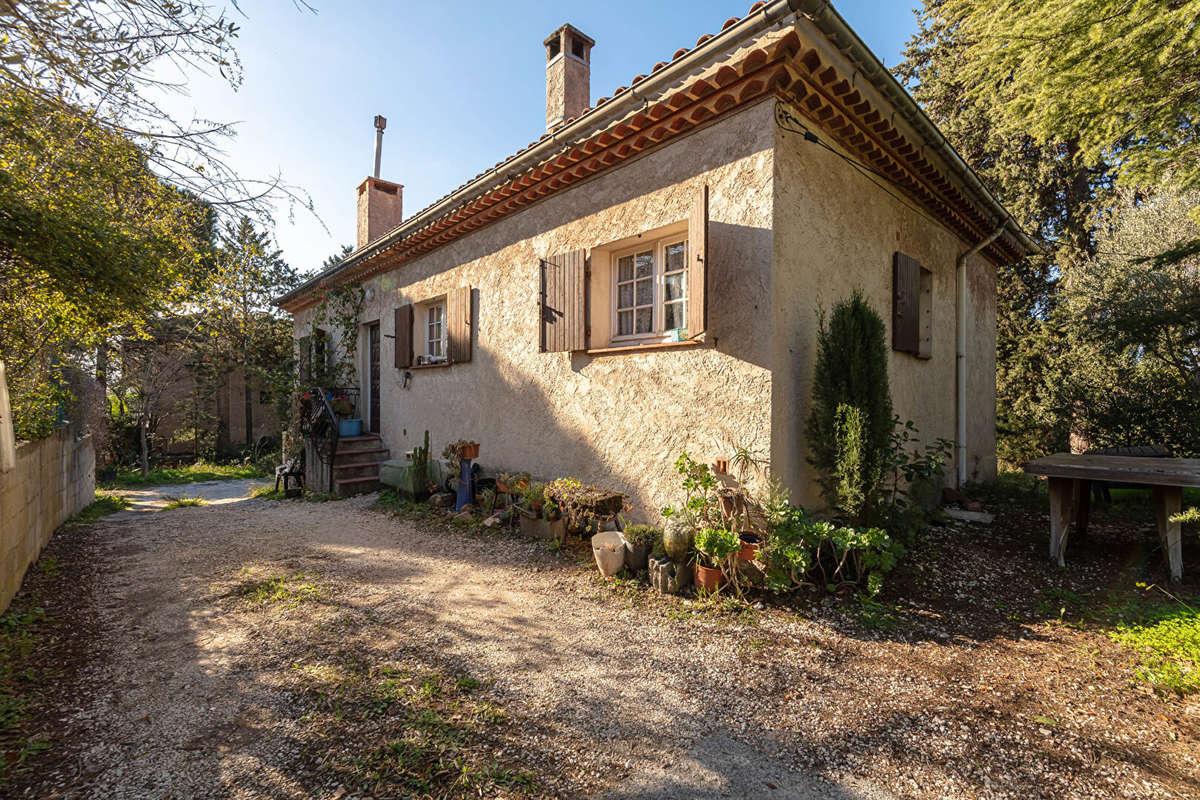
point(850, 427)
point(644, 535)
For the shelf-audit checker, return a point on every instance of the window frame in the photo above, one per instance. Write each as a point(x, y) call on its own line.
point(425, 309)
point(658, 302)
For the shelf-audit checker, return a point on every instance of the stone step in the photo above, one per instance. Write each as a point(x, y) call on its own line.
point(344, 486)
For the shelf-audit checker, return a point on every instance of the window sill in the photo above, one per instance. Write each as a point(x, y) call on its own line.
point(639, 348)
point(430, 366)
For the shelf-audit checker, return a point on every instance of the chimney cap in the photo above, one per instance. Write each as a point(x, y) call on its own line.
point(566, 26)
point(380, 122)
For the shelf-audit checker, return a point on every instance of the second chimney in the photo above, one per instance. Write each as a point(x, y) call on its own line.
point(380, 209)
point(568, 75)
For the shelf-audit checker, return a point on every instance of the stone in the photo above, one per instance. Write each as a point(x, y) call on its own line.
point(442, 500)
point(493, 521)
point(668, 577)
point(464, 516)
point(979, 517)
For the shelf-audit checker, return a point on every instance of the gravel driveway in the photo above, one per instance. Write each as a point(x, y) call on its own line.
point(216, 648)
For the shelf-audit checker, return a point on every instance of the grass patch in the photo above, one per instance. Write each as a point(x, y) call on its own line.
point(268, 493)
point(193, 473)
point(288, 591)
point(182, 501)
point(1167, 639)
point(102, 506)
point(19, 638)
point(393, 731)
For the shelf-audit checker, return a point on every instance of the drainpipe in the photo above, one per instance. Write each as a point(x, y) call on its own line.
point(960, 364)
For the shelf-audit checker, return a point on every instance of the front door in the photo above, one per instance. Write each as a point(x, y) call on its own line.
point(373, 371)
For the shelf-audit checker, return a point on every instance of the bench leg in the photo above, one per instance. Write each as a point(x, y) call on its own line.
point(1168, 501)
point(1062, 492)
point(1083, 506)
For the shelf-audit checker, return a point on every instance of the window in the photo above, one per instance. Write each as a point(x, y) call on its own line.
point(650, 290)
point(912, 307)
point(435, 332)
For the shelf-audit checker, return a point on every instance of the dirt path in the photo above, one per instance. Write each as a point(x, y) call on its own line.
point(224, 642)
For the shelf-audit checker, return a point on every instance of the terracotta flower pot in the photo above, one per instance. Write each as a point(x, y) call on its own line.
point(469, 451)
point(751, 542)
point(707, 578)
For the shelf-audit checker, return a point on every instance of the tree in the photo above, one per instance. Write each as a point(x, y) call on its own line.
point(1133, 366)
point(337, 258)
point(1120, 76)
point(850, 427)
point(90, 241)
point(1053, 193)
point(247, 332)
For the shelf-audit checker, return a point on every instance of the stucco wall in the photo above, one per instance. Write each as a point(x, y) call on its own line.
point(835, 231)
point(616, 420)
point(53, 478)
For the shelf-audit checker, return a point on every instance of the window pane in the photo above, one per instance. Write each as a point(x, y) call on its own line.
point(676, 256)
point(675, 315)
point(625, 269)
point(645, 320)
point(645, 292)
point(625, 295)
point(645, 264)
point(676, 286)
point(625, 323)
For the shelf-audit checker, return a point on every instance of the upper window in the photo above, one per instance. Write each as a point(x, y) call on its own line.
point(435, 331)
point(650, 290)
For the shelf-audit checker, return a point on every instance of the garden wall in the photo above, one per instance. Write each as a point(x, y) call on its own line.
point(53, 478)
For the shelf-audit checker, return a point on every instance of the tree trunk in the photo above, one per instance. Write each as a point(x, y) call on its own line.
point(249, 408)
point(145, 444)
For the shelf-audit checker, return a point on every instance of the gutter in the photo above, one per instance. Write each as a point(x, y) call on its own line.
point(633, 98)
point(960, 361)
point(823, 16)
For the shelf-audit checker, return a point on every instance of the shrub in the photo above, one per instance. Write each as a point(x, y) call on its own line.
point(850, 427)
point(716, 545)
point(644, 535)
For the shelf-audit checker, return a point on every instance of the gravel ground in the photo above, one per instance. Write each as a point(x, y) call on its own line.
point(175, 685)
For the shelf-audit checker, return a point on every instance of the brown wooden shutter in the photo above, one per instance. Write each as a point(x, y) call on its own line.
point(564, 302)
point(458, 324)
point(404, 336)
point(304, 359)
point(697, 304)
point(906, 304)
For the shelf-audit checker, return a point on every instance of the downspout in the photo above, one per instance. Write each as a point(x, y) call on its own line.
point(960, 364)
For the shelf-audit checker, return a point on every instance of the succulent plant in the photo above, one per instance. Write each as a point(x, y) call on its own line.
point(677, 540)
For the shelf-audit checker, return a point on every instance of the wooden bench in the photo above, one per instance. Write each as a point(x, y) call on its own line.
point(1070, 477)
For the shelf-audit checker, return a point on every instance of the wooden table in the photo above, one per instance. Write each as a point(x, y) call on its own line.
point(1070, 478)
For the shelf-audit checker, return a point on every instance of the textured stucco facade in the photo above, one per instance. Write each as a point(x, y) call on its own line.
point(791, 227)
point(836, 230)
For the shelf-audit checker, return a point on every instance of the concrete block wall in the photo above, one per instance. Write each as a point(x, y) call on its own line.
point(54, 478)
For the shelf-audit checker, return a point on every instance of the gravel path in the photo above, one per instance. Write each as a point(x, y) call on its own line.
point(189, 691)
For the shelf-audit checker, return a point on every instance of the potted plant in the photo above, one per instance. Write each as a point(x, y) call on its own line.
point(714, 546)
point(342, 405)
point(534, 496)
point(668, 568)
point(750, 542)
point(554, 527)
point(639, 541)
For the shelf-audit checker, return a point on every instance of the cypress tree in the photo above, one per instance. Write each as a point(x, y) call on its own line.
point(850, 427)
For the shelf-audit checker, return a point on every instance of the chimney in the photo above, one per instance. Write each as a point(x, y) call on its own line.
point(379, 202)
point(568, 75)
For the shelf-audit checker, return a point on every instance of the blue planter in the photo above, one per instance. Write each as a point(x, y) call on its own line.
point(350, 427)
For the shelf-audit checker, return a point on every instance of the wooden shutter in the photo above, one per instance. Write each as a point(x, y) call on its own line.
point(697, 304)
point(458, 324)
point(564, 302)
point(304, 360)
point(906, 304)
point(404, 336)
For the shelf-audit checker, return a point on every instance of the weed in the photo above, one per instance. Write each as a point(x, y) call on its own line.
point(48, 565)
point(19, 638)
point(877, 616)
point(193, 473)
point(1167, 638)
point(182, 501)
point(268, 493)
point(287, 591)
point(102, 506)
point(466, 685)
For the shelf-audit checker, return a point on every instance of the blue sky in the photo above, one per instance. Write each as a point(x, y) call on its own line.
point(462, 85)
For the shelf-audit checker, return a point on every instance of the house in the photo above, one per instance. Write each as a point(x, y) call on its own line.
point(646, 277)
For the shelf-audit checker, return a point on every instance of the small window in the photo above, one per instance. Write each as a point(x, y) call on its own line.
point(435, 332)
point(912, 307)
point(650, 290)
